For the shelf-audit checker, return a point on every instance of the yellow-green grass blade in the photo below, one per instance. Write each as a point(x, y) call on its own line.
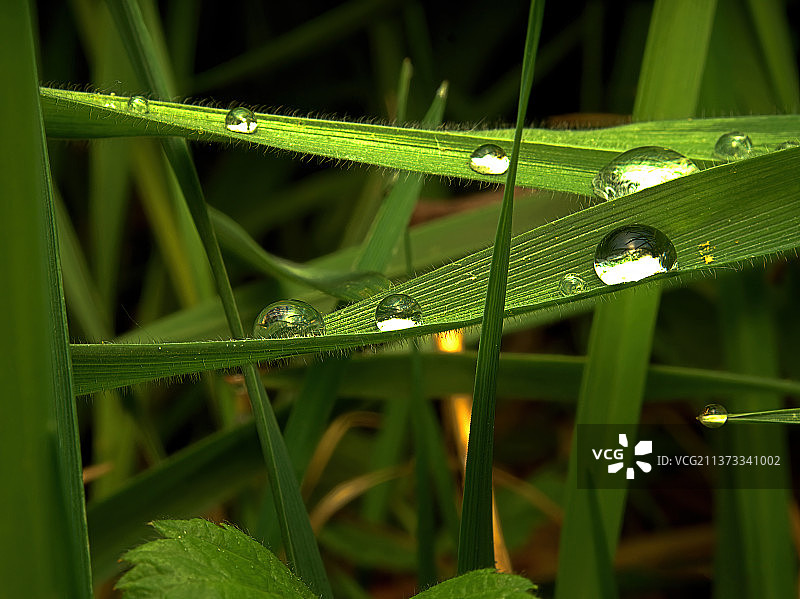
point(44, 524)
point(745, 211)
point(302, 551)
point(612, 387)
point(476, 539)
point(558, 160)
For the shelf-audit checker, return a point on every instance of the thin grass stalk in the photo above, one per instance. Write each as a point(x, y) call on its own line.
point(476, 542)
point(301, 548)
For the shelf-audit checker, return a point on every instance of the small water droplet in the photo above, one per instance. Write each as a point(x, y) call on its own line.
point(241, 120)
point(639, 169)
point(571, 284)
point(288, 318)
point(139, 105)
point(489, 159)
point(733, 146)
point(713, 416)
point(396, 312)
point(787, 145)
point(632, 253)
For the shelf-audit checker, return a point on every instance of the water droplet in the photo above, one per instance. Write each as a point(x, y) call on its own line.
point(733, 146)
point(288, 318)
point(571, 284)
point(139, 105)
point(396, 312)
point(639, 169)
point(787, 145)
point(489, 159)
point(713, 416)
point(241, 120)
point(632, 253)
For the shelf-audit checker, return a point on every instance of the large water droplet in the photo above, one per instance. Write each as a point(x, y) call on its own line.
point(638, 169)
point(139, 105)
point(713, 416)
point(241, 120)
point(571, 284)
point(489, 159)
point(397, 311)
point(733, 146)
point(288, 318)
point(632, 253)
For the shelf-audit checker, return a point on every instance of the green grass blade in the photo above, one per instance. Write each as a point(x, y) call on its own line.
point(776, 44)
point(301, 547)
point(343, 285)
point(750, 210)
point(394, 213)
point(761, 560)
point(83, 299)
point(44, 524)
point(558, 160)
point(476, 545)
point(622, 332)
point(674, 59)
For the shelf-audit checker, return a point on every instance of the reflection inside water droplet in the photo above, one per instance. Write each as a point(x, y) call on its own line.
point(241, 120)
point(713, 416)
point(733, 146)
point(632, 253)
point(139, 105)
point(396, 312)
point(571, 284)
point(288, 318)
point(639, 169)
point(489, 159)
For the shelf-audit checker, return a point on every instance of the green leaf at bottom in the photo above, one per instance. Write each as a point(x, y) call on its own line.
point(481, 584)
point(198, 559)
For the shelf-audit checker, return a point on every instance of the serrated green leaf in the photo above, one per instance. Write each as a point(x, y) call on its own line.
point(198, 559)
point(481, 584)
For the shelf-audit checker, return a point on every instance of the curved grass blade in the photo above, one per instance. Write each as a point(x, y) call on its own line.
point(42, 499)
point(750, 211)
point(299, 542)
point(476, 541)
point(346, 286)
